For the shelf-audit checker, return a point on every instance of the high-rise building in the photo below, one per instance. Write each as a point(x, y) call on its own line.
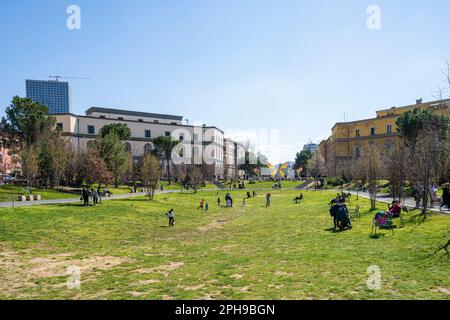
point(53, 94)
point(311, 147)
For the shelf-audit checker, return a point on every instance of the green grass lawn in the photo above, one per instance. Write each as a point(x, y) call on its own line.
point(7, 191)
point(125, 250)
point(269, 184)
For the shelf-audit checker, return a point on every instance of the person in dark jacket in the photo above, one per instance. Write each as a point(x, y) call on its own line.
point(445, 196)
point(85, 196)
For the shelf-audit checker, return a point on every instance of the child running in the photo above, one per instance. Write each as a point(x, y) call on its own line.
point(171, 216)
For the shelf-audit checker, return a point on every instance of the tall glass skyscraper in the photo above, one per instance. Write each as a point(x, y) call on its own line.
point(53, 94)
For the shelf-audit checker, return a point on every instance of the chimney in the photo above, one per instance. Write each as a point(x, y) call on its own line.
point(419, 101)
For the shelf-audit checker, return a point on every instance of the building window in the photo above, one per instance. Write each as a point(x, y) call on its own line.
point(140, 120)
point(174, 123)
point(102, 117)
point(148, 133)
point(91, 129)
point(181, 137)
point(357, 152)
point(167, 133)
point(156, 121)
point(60, 126)
point(372, 131)
point(389, 129)
point(120, 118)
point(358, 133)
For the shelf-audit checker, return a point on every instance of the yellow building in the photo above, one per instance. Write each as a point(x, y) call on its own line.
point(349, 139)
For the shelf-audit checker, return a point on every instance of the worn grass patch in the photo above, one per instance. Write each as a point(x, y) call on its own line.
point(125, 250)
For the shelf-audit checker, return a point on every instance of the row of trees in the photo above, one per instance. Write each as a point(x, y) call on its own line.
point(420, 158)
point(28, 132)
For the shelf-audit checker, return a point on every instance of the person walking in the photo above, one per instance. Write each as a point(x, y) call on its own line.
point(202, 203)
point(218, 202)
point(445, 196)
point(171, 216)
point(417, 194)
point(94, 196)
point(85, 196)
point(268, 196)
point(243, 203)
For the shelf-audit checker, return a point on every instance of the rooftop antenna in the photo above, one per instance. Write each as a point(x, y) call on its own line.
point(56, 78)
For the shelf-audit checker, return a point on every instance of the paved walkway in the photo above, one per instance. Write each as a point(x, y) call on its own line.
point(408, 202)
point(114, 197)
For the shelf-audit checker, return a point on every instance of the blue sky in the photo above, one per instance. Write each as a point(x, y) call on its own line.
point(296, 66)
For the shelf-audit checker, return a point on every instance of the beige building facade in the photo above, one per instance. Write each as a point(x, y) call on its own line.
point(199, 144)
point(349, 139)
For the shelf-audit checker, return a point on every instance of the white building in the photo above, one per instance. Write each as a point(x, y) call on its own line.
point(234, 155)
point(199, 144)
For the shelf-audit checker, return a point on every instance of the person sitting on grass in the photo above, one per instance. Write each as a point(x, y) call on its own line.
point(299, 198)
point(171, 216)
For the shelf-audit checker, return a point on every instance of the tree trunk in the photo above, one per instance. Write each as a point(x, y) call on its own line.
point(168, 170)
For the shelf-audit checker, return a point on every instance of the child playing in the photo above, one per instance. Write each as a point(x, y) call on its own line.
point(243, 202)
point(171, 216)
point(202, 204)
point(206, 206)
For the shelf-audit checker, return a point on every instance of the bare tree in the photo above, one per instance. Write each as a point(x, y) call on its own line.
point(29, 164)
point(196, 177)
point(150, 174)
point(396, 170)
point(426, 164)
point(368, 168)
point(316, 166)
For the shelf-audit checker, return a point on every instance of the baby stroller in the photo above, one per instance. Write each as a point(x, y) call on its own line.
point(340, 216)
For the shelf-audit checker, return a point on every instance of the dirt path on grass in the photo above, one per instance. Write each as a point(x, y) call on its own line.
point(19, 273)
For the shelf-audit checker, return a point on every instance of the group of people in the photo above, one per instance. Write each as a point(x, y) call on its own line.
point(418, 192)
point(85, 194)
point(339, 213)
point(240, 185)
point(204, 205)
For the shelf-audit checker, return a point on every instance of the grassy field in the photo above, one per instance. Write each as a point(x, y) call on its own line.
point(269, 184)
point(125, 250)
point(8, 191)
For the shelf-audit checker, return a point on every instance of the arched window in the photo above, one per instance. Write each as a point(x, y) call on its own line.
point(148, 147)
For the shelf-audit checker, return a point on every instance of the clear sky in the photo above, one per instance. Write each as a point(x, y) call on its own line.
point(294, 66)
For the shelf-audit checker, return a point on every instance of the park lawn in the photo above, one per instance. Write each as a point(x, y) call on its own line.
point(125, 250)
point(177, 186)
point(7, 191)
point(269, 184)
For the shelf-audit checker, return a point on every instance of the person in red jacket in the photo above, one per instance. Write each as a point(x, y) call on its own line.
point(395, 209)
